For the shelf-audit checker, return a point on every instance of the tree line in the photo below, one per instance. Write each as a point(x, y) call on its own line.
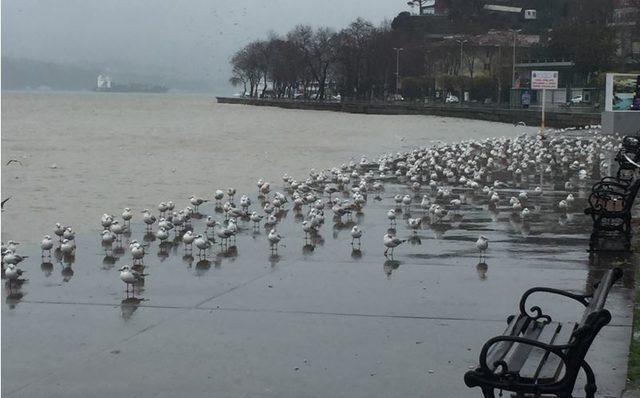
point(359, 61)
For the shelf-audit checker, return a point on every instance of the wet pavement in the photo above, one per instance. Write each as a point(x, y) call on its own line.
point(317, 319)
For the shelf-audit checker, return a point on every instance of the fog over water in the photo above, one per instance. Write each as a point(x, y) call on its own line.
point(124, 150)
point(156, 37)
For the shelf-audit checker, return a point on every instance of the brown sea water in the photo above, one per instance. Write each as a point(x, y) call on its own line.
point(85, 154)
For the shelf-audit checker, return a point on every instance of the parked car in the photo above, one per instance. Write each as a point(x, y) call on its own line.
point(395, 98)
point(576, 99)
point(451, 99)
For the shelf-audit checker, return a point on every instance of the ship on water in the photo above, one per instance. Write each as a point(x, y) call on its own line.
point(104, 84)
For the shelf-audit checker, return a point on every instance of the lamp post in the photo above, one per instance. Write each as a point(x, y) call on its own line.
point(397, 50)
point(461, 42)
point(513, 61)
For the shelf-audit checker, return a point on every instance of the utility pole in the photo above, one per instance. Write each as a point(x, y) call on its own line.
point(513, 61)
point(460, 71)
point(461, 42)
point(397, 50)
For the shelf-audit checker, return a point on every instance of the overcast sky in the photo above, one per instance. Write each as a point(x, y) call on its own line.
point(190, 38)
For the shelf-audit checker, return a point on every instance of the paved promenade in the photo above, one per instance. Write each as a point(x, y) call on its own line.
point(316, 320)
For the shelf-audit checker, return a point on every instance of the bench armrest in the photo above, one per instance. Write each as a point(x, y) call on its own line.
point(616, 180)
point(554, 349)
point(628, 159)
point(537, 312)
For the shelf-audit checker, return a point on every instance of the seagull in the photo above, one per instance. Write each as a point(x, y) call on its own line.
point(245, 202)
point(137, 251)
point(69, 234)
point(12, 258)
point(59, 231)
point(14, 161)
point(210, 223)
point(130, 277)
point(117, 229)
point(218, 196)
point(274, 238)
point(196, 201)
point(68, 247)
point(482, 244)
point(162, 234)
point(425, 203)
point(356, 233)
point(188, 239)
point(127, 215)
point(414, 224)
point(108, 237)
point(202, 244)
point(406, 201)
point(307, 227)
point(4, 201)
point(232, 229)
point(391, 215)
point(264, 189)
point(46, 245)
point(162, 207)
point(231, 193)
point(148, 218)
point(256, 218)
point(563, 205)
point(570, 199)
point(12, 273)
point(106, 220)
point(391, 242)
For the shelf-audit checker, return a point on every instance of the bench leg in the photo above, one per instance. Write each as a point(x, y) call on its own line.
point(488, 392)
point(590, 388)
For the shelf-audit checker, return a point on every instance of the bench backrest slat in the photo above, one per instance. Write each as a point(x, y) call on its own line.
point(594, 318)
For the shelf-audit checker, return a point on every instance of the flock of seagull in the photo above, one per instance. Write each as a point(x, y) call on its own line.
point(434, 178)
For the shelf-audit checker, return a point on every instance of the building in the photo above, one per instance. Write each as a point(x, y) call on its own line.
point(625, 19)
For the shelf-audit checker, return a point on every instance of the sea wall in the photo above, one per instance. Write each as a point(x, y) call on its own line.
point(528, 116)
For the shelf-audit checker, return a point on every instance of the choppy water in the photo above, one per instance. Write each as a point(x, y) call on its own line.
point(124, 150)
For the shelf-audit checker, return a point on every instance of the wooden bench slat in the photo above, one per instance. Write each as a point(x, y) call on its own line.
point(518, 353)
point(537, 355)
point(553, 365)
point(498, 351)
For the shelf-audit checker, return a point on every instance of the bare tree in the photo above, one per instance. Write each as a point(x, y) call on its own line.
point(318, 51)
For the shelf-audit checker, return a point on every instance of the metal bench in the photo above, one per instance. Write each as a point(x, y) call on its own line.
point(628, 157)
point(536, 355)
point(610, 205)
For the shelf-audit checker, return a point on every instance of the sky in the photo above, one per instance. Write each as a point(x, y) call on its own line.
point(192, 39)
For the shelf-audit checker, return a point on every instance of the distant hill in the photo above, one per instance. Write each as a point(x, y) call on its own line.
point(20, 74)
point(28, 74)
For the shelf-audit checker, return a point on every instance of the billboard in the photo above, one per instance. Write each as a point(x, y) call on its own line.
point(622, 92)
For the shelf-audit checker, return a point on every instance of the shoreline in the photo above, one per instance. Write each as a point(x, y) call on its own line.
point(503, 115)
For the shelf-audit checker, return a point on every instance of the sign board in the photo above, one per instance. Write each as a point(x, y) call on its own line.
point(544, 79)
point(622, 92)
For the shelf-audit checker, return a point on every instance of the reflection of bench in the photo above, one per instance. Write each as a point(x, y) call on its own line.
point(610, 205)
point(536, 355)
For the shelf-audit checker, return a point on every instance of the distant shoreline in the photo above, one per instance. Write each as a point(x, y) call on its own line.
point(503, 115)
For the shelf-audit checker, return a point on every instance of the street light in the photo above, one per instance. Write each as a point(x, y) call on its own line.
point(397, 50)
point(513, 62)
point(461, 42)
